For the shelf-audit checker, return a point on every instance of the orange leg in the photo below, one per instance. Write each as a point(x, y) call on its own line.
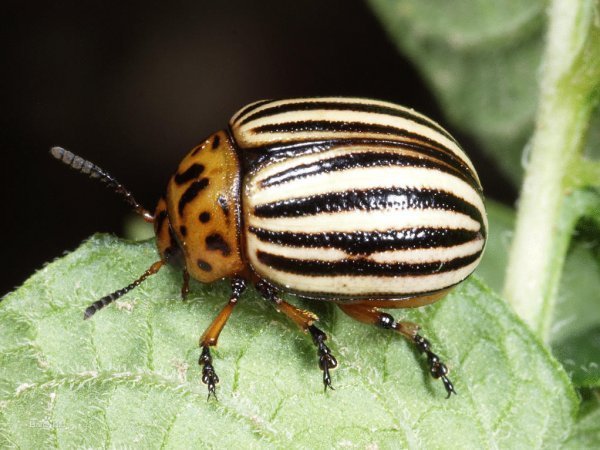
point(305, 320)
point(211, 336)
point(373, 316)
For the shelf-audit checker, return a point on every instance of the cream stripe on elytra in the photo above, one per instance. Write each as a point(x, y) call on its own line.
point(289, 164)
point(349, 221)
point(385, 201)
point(366, 286)
point(332, 254)
point(341, 117)
point(329, 118)
point(366, 178)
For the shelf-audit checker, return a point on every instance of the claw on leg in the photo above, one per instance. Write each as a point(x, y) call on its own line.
point(304, 319)
point(211, 336)
point(326, 360)
point(437, 368)
point(209, 376)
point(372, 315)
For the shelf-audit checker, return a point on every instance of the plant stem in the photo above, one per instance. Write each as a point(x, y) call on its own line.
point(545, 218)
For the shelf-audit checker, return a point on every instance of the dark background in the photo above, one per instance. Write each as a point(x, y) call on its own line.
point(134, 85)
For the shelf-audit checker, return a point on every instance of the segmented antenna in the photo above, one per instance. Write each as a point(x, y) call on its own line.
point(93, 171)
point(107, 300)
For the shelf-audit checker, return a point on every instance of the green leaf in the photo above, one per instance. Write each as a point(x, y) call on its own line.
point(495, 258)
point(576, 328)
point(129, 376)
point(586, 433)
point(580, 355)
point(482, 60)
point(575, 332)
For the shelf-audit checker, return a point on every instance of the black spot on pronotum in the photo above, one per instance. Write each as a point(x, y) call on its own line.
point(215, 242)
point(191, 193)
point(190, 174)
point(197, 149)
point(183, 230)
point(216, 141)
point(224, 205)
point(204, 217)
point(160, 220)
point(203, 265)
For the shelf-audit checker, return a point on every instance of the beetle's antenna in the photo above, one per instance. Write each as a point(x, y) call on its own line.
point(107, 300)
point(93, 171)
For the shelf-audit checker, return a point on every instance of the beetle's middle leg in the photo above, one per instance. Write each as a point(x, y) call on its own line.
point(305, 320)
point(372, 315)
point(211, 336)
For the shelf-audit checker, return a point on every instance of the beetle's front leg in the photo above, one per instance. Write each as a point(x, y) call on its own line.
point(211, 336)
point(305, 320)
point(410, 330)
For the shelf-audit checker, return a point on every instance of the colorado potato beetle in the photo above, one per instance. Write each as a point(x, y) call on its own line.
point(362, 203)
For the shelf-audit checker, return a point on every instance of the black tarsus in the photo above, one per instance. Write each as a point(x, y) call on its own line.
point(209, 376)
point(437, 368)
point(326, 360)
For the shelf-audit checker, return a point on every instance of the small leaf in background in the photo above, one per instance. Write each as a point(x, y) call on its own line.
point(137, 229)
point(129, 376)
point(576, 328)
point(493, 264)
point(575, 336)
point(586, 434)
point(482, 61)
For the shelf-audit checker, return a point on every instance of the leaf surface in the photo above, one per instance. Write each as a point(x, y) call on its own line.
point(575, 334)
point(129, 376)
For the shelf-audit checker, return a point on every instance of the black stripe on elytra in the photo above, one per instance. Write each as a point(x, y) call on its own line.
point(215, 242)
point(321, 126)
point(249, 108)
point(191, 173)
point(341, 106)
point(190, 193)
point(368, 200)
point(361, 266)
point(281, 150)
point(361, 159)
point(366, 242)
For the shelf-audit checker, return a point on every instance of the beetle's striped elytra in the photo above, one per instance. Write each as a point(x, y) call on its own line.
point(362, 203)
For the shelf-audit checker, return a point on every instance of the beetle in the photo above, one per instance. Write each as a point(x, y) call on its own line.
point(362, 203)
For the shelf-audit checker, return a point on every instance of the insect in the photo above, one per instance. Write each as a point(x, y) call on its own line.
point(361, 203)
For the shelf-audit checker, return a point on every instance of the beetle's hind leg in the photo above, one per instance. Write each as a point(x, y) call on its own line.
point(211, 336)
point(372, 315)
point(305, 320)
